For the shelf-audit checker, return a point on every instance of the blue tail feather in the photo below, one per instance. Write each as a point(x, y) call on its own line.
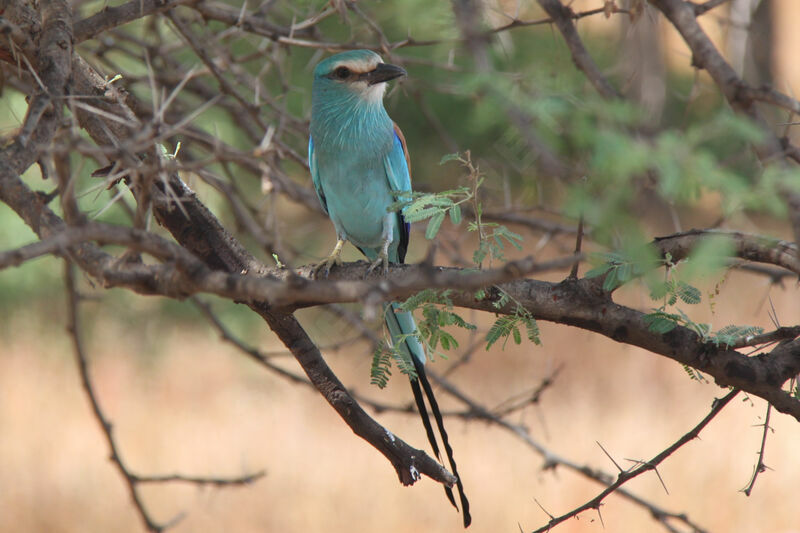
point(400, 324)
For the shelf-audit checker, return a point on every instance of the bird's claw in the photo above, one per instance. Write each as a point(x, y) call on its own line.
point(382, 260)
point(331, 260)
point(325, 266)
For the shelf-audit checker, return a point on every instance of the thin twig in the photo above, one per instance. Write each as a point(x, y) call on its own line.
point(131, 479)
point(73, 328)
point(573, 274)
point(247, 479)
point(782, 333)
point(760, 466)
point(625, 476)
point(708, 5)
point(552, 460)
point(523, 400)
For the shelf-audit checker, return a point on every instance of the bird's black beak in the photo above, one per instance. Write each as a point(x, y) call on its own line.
point(384, 72)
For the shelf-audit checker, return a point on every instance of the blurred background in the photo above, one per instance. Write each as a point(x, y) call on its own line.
point(182, 400)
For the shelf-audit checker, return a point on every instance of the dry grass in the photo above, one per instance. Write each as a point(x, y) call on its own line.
point(198, 407)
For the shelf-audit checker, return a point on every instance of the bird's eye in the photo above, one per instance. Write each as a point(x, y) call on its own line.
point(342, 72)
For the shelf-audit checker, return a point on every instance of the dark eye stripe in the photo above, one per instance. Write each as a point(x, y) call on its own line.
point(341, 73)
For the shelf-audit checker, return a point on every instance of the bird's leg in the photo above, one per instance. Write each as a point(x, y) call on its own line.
point(386, 237)
point(382, 260)
point(333, 259)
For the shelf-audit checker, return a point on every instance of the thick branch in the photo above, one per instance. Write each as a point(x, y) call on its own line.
point(198, 230)
point(574, 302)
point(578, 303)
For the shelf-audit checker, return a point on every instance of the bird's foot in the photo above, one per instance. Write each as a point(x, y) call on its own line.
point(325, 266)
point(382, 260)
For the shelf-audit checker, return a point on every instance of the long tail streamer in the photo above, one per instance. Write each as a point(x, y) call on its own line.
point(401, 325)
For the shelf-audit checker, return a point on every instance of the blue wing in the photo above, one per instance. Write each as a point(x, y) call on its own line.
point(398, 172)
point(398, 164)
point(312, 165)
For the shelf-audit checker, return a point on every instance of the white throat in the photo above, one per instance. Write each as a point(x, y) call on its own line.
point(373, 93)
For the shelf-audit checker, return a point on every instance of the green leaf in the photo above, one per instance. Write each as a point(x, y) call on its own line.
point(403, 358)
point(480, 254)
point(434, 225)
point(444, 341)
point(498, 243)
point(436, 200)
point(693, 374)
point(662, 325)
point(711, 255)
point(381, 366)
point(461, 191)
point(599, 270)
point(611, 282)
point(687, 293)
point(397, 206)
point(732, 334)
point(433, 339)
point(500, 329)
point(449, 157)
point(660, 322)
point(532, 330)
point(447, 341)
point(460, 322)
point(502, 301)
point(514, 238)
point(625, 272)
point(426, 296)
point(421, 214)
point(659, 290)
point(455, 215)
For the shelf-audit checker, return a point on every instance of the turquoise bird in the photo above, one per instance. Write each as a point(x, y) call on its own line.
point(358, 159)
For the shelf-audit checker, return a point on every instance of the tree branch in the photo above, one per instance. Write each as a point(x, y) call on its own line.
point(206, 259)
point(739, 94)
point(196, 229)
point(562, 17)
point(73, 327)
point(572, 302)
point(705, 7)
point(760, 467)
point(552, 460)
point(627, 475)
point(747, 246)
point(113, 16)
